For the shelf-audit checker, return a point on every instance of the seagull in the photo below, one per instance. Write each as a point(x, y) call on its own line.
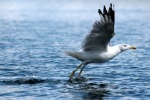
point(96, 46)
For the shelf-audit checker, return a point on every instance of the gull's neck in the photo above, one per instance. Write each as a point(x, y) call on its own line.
point(113, 51)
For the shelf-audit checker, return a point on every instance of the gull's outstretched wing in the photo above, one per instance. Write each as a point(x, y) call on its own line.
point(102, 31)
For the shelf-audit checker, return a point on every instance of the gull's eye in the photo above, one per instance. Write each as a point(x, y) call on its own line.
point(125, 45)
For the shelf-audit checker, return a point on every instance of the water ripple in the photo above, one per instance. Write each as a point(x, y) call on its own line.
point(35, 34)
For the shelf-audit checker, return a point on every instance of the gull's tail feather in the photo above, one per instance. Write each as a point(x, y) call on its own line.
point(73, 54)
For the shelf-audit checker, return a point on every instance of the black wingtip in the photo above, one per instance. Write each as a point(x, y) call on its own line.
point(111, 5)
point(110, 12)
point(99, 11)
point(104, 10)
point(113, 10)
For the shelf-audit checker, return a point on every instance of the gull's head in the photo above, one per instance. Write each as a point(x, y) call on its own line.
point(124, 47)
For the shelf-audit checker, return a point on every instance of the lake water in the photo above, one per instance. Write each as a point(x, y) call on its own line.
point(34, 35)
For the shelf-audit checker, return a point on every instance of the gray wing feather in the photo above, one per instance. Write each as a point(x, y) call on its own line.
point(102, 31)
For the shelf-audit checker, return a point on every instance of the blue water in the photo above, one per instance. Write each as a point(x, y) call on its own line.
point(34, 35)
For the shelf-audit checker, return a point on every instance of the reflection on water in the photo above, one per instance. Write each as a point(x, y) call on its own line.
point(95, 94)
point(95, 91)
point(23, 81)
point(27, 80)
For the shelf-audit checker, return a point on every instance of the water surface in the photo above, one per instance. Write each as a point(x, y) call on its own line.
point(34, 35)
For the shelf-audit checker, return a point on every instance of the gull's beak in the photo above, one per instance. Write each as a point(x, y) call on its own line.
point(132, 47)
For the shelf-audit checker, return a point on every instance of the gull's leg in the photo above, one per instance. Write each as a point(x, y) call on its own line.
point(82, 69)
point(71, 75)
